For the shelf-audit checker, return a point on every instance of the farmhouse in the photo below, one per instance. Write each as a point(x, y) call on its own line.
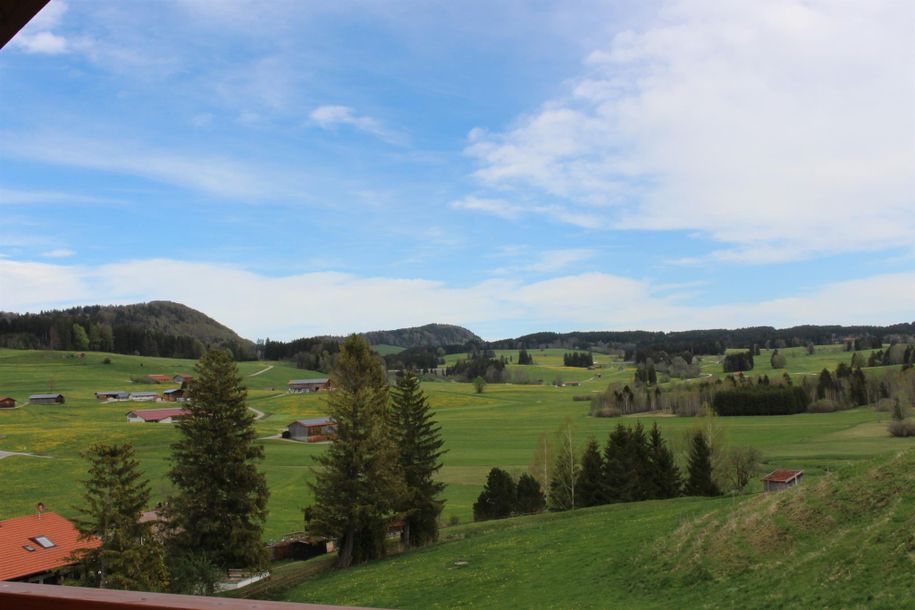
point(299, 386)
point(782, 479)
point(182, 378)
point(143, 396)
point(161, 416)
point(46, 399)
point(115, 395)
point(34, 547)
point(312, 430)
point(176, 395)
point(7, 403)
point(159, 378)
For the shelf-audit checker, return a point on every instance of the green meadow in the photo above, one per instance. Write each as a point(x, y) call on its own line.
point(496, 428)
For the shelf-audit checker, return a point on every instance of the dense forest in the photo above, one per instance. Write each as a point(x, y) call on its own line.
point(157, 328)
point(712, 341)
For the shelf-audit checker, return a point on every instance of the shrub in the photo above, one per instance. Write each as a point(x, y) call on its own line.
point(106, 361)
point(824, 405)
point(454, 520)
point(884, 405)
point(902, 428)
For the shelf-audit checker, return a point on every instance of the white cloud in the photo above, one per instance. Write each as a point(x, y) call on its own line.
point(783, 129)
point(548, 261)
point(58, 253)
point(217, 175)
point(330, 117)
point(319, 303)
point(37, 37)
point(512, 211)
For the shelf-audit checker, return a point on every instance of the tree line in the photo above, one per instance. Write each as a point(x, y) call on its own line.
point(631, 467)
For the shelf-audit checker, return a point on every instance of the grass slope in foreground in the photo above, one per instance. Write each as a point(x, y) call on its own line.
point(846, 541)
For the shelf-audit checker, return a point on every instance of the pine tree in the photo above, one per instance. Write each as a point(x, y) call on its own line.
point(699, 481)
point(638, 459)
point(220, 500)
point(358, 483)
point(565, 470)
point(419, 440)
point(616, 473)
point(529, 497)
point(498, 498)
point(665, 476)
point(130, 556)
point(589, 489)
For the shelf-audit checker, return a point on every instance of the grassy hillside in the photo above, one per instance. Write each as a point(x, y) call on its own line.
point(499, 427)
point(844, 542)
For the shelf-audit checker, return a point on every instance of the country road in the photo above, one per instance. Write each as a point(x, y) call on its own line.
point(261, 371)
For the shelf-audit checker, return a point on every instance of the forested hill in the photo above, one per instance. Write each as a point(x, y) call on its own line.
point(430, 335)
point(157, 328)
point(711, 341)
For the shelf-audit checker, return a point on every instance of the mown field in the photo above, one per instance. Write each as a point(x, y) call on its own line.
point(843, 542)
point(496, 428)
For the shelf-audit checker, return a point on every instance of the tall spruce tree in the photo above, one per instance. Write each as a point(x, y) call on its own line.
point(419, 440)
point(565, 470)
point(638, 459)
point(130, 556)
point(529, 497)
point(616, 467)
point(498, 498)
point(699, 481)
point(589, 489)
point(665, 476)
point(220, 499)
point(358, 485)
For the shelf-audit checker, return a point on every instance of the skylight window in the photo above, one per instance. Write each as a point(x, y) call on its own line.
point(44, 542)
point(29, 548)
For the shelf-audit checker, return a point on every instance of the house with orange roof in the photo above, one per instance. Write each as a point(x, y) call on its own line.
point(34, 548)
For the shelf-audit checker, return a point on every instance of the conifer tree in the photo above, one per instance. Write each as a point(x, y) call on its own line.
point(130, 556)
point(529, 497)
point(699, 481)
point(616, 470)
point(638, 460)
point(419, 440)
point(358, 485)
point(498, 498)
point(220, 499)
point(589, 489)
point(565, 470)
point(665, 476)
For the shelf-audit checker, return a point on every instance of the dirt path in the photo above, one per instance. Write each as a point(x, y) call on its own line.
point(4, 454)
point(257, 414)
point(261, 371)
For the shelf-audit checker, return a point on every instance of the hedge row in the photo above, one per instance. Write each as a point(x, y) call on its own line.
point(761, 400)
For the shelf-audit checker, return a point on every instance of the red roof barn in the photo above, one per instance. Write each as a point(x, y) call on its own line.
point(34, 545)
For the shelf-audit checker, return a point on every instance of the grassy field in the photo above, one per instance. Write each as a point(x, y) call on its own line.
point(846, 542)
point(496, 428)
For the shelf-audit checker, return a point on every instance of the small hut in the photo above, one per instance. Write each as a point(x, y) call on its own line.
point(7, 403)
point(46, 399)
point(312, 430)
point(778, 480)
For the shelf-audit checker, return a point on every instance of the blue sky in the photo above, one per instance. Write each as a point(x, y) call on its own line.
point(296, 169)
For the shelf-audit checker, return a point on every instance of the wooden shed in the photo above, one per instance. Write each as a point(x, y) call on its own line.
point(300, 386)
point(312, 430)
point(113, 395)
point(782, 479)
point(175, 395)
point(162, 416)
point(46, 399)
point(7, 403)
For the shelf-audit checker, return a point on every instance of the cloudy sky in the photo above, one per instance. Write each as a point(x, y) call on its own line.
point(299, 168)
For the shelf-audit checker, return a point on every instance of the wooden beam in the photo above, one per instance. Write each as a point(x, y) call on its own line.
point(14, 14)
point(28, 596)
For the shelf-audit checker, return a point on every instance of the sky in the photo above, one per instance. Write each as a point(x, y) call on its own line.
point(301, 168)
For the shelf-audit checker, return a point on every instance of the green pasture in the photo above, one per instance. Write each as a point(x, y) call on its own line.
point(496, 428)
point(842, 543)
